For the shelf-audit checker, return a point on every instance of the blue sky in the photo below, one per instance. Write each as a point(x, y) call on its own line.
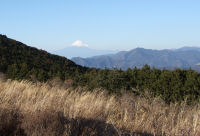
point(102, 24)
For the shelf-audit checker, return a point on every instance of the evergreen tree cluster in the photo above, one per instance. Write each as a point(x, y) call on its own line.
point(171, 85)
point(19, 61)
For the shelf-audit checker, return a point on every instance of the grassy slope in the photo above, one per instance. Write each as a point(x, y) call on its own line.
point(32, 109)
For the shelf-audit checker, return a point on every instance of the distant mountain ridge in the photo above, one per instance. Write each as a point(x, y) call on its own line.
point(188, 49)
point(83, 52)
point(185, 57)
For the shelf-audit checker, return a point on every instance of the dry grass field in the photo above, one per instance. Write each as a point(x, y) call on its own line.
point(44, 109)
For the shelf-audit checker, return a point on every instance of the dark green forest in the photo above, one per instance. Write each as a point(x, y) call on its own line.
point(19, 61)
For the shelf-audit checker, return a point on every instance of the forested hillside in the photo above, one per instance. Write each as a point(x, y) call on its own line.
point(19, 61)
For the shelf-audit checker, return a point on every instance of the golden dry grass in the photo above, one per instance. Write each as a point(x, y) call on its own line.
point(39, 109)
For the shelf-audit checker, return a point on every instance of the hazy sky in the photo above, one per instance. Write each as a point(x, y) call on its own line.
point(102, 24)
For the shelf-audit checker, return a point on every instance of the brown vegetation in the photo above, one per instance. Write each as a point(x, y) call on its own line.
point(43, 109)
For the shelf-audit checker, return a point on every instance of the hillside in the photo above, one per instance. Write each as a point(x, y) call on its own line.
point(20, 61)
point(169, 59)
